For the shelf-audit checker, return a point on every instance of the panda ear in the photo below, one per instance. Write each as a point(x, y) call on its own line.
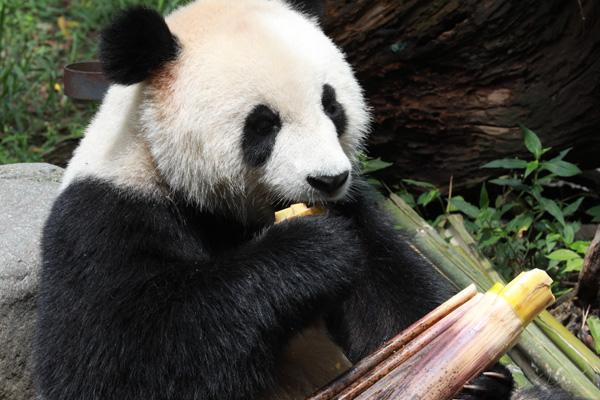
point(137, 43)
point(314, 8)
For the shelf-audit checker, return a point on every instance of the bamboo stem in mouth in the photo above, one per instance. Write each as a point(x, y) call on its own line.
point(297, 210)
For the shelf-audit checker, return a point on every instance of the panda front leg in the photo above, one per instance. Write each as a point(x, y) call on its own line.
point(280, 282)
point(399, 287)
point(158, 326)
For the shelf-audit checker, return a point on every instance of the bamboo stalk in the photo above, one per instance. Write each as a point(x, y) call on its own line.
point(395, 344)
point(456, 265)
point(525, 376)
point(572, 347)
point(589, 277)
point(548, 358)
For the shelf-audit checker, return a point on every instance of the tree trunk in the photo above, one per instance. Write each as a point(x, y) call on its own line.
point(449, 81)
point(588, 288)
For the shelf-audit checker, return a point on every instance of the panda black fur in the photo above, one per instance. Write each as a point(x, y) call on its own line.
point(163, 276)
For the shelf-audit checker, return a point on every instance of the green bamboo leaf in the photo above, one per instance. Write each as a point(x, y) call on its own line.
point(512, 182)
point(489, 241)
point(520, 223)
point(562, 154)
point(573, 265)
point(376, 164)
point(568, 234)
point(484, 199)
point(506, 163)
point(464, 206)
point(594, 325)
point(553, 237)
point(580, 246)
point(595, 213)
point(532, 142)
point(552, 208)
point(485, 215)
point(563, 255)
point(428, 197)
point(531, 166)
point(572, 208)
point(561, 168)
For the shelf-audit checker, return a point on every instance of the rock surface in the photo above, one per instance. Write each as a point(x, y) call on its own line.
point(26, 195)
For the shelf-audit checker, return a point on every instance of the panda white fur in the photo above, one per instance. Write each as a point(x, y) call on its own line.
point(163, 275)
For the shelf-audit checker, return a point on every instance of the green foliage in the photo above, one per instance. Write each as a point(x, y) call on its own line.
point(595, 213)
point(429, 193)
point(370, 165)
point(594, 325)
point(521, 228)
point(37, 38)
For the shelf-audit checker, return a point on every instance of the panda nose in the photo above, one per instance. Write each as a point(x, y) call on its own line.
point(328, 183)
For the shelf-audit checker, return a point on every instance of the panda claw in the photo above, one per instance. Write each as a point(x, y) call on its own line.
point(494, 384)
point(474, 387)
point(496, 375)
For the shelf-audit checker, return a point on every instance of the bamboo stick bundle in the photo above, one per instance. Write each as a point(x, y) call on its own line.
point(436, 356)
point(578, 352)
point(556, 353)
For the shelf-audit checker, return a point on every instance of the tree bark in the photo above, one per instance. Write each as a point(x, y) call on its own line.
point(450, 81)
point(588, 288)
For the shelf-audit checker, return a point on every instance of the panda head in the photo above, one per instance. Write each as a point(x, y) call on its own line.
point(244, 102)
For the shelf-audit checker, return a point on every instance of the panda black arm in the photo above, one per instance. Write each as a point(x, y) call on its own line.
point(399, 287)
point(132, 307)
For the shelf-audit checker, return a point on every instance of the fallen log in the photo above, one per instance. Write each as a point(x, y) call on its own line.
point(449, 81)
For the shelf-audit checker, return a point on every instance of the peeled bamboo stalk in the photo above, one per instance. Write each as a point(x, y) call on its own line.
point(412, 348)
point(371, 366)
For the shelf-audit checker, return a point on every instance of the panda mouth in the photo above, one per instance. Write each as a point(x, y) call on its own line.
point(283, 204)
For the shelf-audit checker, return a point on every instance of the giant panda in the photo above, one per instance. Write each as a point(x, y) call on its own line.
point(163, 275)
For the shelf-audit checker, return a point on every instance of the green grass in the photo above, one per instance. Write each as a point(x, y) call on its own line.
point(35, 116)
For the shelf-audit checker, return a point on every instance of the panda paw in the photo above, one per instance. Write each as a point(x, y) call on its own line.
point(494, 384)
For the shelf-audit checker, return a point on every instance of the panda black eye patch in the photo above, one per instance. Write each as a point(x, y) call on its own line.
point(333, 109)
point(260, 130)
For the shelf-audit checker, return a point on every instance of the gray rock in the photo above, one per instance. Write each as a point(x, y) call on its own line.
point(26, 195)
